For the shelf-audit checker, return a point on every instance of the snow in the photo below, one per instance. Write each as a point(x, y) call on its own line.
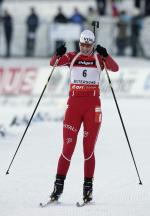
point(116, 186)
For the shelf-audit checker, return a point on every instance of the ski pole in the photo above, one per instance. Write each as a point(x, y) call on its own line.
point(124, 129)
point(56, 62)
point(95, 25)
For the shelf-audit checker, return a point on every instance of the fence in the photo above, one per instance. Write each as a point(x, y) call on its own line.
point(48, 33)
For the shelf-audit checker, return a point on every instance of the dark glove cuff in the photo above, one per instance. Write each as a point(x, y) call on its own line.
point(105, 54)
point(60, 51)
point(102, 51)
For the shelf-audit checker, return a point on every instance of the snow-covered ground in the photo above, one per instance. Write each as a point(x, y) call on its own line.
point(116, 186)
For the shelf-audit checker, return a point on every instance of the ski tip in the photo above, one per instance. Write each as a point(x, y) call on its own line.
point(50, 202)
point(80, 204)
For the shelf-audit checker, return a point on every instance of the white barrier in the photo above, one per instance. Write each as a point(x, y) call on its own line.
point(130, 81)
point(29, 77)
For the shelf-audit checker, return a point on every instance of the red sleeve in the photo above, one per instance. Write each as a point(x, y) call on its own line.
point(65, 60)
point(110, 63)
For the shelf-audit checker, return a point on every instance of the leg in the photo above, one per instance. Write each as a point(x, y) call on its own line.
point(32, 46)
point(27, 45)
point(7, 48)
point(134, 45)
point(71, 126)
point(8, 39)
point(92, 123)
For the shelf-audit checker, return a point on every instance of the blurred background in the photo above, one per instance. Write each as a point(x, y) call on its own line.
point(31, 30)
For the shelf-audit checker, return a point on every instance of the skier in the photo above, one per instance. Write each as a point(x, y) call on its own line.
point(84, 106)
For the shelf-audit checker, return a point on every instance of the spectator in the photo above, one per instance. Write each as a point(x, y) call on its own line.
point(115, 9)
point(1, 1)
point(92, 15)
point(32, 23)
point(147, 7)
point(122, 39)
point(8, 31)
point(60, 18)
point(137, 3)
point(77, 18)
point(136, 27)
point(101, 5)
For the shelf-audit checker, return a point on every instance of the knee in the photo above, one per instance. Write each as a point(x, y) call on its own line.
point(68, 151)
point(88, 155)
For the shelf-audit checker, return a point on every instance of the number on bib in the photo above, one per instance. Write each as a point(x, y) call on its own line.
point(84, 73)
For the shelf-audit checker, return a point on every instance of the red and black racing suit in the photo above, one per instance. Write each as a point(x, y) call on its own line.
point(84, 106)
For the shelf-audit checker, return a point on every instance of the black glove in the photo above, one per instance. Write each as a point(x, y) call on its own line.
point(61, 50)
point(101, 50)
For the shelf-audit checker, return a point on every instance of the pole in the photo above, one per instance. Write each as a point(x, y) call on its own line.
point(124, 129)
point(96, 25)
point(56, 62)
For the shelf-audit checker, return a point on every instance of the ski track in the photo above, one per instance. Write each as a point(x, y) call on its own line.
point(116, 188)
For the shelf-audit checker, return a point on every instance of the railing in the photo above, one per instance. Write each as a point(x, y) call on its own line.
point(48, 33)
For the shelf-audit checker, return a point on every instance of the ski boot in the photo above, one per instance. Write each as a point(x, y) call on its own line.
point(58, 188)
point(87, 190)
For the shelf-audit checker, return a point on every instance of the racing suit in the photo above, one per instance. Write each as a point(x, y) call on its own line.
point(83, 106)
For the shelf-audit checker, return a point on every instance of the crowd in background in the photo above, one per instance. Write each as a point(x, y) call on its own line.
point(130, 38)
point(128, 27)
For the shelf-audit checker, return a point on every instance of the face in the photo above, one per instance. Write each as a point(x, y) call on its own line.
point(85, 48)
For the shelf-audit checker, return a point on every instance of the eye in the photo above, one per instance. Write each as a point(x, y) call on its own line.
point(86, 45)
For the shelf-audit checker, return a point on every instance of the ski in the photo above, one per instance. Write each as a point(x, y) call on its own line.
point(82, 204)
point(50, 202)
point(55, 202)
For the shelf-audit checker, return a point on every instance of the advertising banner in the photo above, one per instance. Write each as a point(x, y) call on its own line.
point(29, 78)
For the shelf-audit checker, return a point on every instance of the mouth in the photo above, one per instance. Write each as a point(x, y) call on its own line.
point(85, 51)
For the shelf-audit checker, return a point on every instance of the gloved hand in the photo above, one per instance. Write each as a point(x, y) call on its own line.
point(101, 50)
point(61, 50)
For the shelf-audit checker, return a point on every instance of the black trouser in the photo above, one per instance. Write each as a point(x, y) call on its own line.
point(147, 7)
point(8, 38)
point(30, 44)
point(137, 3)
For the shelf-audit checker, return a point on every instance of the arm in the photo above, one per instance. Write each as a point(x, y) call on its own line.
point(64, 60)
point(111, 64)
point(60, 51)
point(103, 56)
